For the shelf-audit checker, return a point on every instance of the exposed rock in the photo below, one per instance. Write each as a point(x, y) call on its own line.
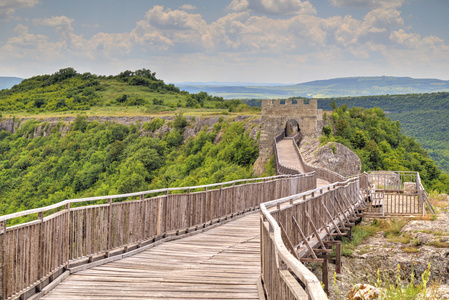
point(443, 197)
point(219, 137)
point(364, 292)
point(378, 252)
point(196, 124)
point(332, 156)
point(7, 125)
point(259, 167)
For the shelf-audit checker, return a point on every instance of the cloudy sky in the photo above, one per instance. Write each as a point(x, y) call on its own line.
point(283, 41)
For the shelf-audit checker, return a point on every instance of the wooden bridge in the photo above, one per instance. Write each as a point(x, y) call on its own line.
point(245, 239)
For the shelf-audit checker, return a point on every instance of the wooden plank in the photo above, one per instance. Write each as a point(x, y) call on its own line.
point(223, 262)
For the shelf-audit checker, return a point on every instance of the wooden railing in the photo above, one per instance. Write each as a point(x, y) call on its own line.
point(402, 192)
point(280, 168)
point(294, 227)
point(321, 173)
point(64, 238)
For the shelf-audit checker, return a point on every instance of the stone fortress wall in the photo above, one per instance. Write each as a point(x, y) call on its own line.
point(276, 115)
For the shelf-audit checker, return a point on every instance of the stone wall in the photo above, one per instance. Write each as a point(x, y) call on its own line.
point(276, 115)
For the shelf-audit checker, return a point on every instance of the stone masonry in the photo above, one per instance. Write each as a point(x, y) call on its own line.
point(276, 115)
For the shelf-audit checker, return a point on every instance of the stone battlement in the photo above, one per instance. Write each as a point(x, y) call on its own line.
point(276, 114)
point(293, 102)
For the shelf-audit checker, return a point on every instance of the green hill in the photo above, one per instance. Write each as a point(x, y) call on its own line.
point(68, 90)
point(422, 116)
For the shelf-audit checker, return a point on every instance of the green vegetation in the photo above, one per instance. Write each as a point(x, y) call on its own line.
point(399, 289)
point(92, 159)
point(422, 116)
point(380, 144)
point(69, 91)
point(390, 227)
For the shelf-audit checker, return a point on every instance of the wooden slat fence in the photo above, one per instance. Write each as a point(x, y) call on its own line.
point(399, 193)
point(33, 254)
point(279, 264)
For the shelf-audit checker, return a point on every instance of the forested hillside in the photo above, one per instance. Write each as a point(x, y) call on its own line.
point(43, 163)
point(380, 144)
point(423, 116)
point(107, 158)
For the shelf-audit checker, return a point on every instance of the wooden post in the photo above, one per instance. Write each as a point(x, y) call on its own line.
point(142, 236)
point(205, 207)
point(3, 236)
point(109, 244)
point(69, 242)
point(325, 273)
point(40, 270)
point(188, 211)
point(338, 257)
point(159, 214)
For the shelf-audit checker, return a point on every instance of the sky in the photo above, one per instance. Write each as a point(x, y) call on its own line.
point(282, 41)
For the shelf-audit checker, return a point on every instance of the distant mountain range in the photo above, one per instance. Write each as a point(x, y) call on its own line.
point(338, 87)
point(9, 82)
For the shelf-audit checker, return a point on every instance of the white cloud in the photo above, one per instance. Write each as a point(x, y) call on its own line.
point(281, 7)
point(187, 7)
point(176, 39)
point(60, 21)
point(238, 5)
point(9, 7)
point(173, 19)
point(368, 3)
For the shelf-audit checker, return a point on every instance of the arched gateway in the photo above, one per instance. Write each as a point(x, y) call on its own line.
point(288, 116)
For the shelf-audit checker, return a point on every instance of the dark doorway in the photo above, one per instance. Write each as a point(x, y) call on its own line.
point(291, 128)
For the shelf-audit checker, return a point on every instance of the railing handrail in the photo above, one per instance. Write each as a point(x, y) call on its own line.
point(311, 168)
point(88, 199)
point(280, 168)
point(312, 283)
point(426, 196)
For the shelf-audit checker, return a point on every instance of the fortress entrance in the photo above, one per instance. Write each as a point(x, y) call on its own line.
point(290, 116)
point(291, 127)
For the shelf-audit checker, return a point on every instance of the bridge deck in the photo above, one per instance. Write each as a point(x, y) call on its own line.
point(287, 155)
point(221, 263)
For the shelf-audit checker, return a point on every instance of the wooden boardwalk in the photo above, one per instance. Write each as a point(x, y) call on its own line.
point(221, 263)
point(287, 155)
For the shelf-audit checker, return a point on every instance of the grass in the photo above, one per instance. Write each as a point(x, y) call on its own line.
point(390, 227)
point(439, 244)
point(400, 289)
point(410, 249)
point(130, 111)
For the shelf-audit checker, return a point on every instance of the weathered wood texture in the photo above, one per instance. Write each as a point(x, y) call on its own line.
point(395, 193)
point(35, 251)
point(221, 263)
point(317, 212)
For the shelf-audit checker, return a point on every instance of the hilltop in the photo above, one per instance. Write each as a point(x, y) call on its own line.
point(337, 87)
point(128, 93)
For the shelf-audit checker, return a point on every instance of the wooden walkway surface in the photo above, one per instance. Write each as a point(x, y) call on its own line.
point(221, 263)
point(287, 155)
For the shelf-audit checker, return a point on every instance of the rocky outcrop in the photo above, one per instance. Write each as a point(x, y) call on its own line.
point(332, 156)
point(424, 242)
point(196, 124)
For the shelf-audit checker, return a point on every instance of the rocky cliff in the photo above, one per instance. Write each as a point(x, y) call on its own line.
point(332, 156)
